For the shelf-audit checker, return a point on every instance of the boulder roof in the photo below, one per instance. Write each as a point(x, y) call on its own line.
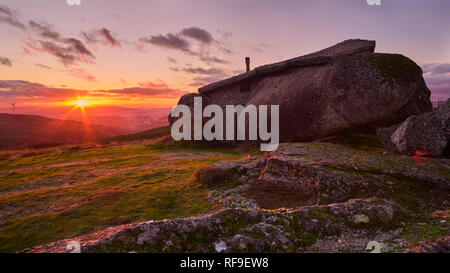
point(325, 56)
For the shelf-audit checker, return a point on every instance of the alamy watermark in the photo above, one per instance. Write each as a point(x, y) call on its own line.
point(73, 2)
point(374, 2)
point(213, 129)
point(78, 2)
point(374, 247)
point(73, 247)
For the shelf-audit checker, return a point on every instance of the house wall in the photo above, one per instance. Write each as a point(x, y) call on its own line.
point(231, 94)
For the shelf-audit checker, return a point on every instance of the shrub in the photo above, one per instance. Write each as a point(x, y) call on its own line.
point(211, 176)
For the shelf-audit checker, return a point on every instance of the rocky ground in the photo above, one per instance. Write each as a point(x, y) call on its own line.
point(309, 197)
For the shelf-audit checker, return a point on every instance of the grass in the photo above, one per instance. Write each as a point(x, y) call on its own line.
point(429, 229)
point(144, 135)
point(62, 193)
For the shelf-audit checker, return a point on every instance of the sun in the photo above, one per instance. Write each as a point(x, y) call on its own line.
point(81, 103)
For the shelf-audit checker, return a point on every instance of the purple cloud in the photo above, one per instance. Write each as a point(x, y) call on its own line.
point(170, 41)
point(45, 30)
point(5, 61)
point(436, 69)
point(203, 71)
point(10, 17)
point(178, 42)
point(439, 85)
point(103, 36)
point(198, 34)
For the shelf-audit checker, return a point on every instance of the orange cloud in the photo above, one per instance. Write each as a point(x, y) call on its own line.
point(29, 92)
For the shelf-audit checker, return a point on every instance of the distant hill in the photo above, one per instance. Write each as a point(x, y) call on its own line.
point(128, 120)
point(147, 134)
point(21, 131)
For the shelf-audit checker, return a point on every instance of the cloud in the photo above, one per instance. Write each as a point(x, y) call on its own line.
point(108, 37)
point(103, 36)
point(226, 35)
point(203, 76)
point(45, 30)
point(257, 47)
point(140, 47)
point(69, 52)
point(225, 50)
point(439, 85)
point(206, 38)
point(10, 17)
point(43, 66)
point(223, 43)
point(147, 92)
point(171, 60)
point(12, 21)
point(120, 17)
point(198, 34)
point(154, 85)
point(170, 41)
point(5, 10)
point(179, 42)
point(5, 61)
point(23, 90)
point(436, 68)
point(157, 89)
point(63, 54)
point(204, 80)
point(203, 71)
point(78, 47)
point(35, 92)
point(437, 77)
point(82, 74)
point(211, 59)
point(438, 80)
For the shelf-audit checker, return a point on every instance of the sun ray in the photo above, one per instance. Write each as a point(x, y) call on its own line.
point(81, 103)
point(89, 131)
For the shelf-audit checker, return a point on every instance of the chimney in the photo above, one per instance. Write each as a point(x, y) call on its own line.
point(247, 63)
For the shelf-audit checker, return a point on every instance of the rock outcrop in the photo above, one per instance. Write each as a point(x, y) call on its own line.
point(239, 230)
point(427, 134)
point(324, 93)
point(336, 175)
point(322, 173)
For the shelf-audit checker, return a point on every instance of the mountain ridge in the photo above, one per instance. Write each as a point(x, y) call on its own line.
point(24, 131)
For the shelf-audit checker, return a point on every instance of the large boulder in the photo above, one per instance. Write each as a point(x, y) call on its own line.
point(426, 134)
point(323, 93)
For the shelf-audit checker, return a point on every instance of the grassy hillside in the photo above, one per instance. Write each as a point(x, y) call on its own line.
point(20, 131)
point(58, 193)
point(147, 134)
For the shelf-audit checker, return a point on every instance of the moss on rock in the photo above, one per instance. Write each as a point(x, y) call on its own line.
point(396, 66)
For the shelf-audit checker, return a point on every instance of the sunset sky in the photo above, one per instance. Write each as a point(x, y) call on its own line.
point(148, 53)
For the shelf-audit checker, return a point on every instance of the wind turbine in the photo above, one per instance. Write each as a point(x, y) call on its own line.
point(13, 107)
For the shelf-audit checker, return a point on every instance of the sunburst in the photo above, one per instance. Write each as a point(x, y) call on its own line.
point(81, 103)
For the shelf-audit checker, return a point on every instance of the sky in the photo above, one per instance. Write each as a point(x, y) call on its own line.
point(147, 53)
